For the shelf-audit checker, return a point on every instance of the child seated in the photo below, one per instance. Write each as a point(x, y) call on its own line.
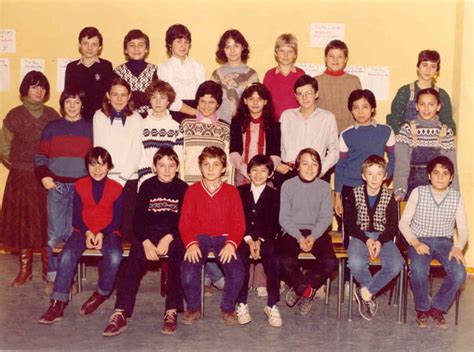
point(427, 224)
point(420, 141)
point(305, 215)
point(212, 220)
point(260, 204)
point(156, 233)
point(96, 219)
point(370, 218)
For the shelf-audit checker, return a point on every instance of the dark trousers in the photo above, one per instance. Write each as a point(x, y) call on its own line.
point(129, 201)
point(135, 267)
point(321, 269)
point(270, 264)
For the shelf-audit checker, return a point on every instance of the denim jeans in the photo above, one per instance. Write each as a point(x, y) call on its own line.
point(420, 269)
point(72, 252)
point(191, 275)
point(212, 273)
point(59, 221)
point(390, 258)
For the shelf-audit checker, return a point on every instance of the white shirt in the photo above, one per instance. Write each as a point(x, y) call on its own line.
point(257, 191)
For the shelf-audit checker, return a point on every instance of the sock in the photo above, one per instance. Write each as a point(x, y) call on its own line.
point(307, 291)
point(365, 293)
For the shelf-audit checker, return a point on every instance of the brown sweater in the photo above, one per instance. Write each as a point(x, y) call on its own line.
point(333, 94)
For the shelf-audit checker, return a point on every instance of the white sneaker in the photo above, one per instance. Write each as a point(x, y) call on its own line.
point(243, 314)
point(274, 317)
point(321, 292)
point(262, 292)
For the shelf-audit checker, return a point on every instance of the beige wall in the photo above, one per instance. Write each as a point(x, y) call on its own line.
point(387, 33)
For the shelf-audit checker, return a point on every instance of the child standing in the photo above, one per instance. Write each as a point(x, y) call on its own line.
point(234, 74)
point(335, 85)
point(156, 234)
point(404, 104)
point(420, 141)
point(184, 74)
point(118, 129)
point(59, 162)
point(260, 204)
point(305, 215)
point(159, 128)
point(281, 79)
point(90, 73)
point(428, 223)
point(370, 218)
point(96, 220)
point(138, 73)
point(212, 219)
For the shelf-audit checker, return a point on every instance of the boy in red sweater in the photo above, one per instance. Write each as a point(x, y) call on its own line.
point(212, 219)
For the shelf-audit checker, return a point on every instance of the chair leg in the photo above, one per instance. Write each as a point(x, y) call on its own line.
point(349, 300)
point(340, 287)
point(456, 312)
point(399, 286)
point(202, 289)
point(328, 291)
point(405, 293)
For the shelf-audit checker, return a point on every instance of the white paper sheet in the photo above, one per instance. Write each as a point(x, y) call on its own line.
point(311, 69)
point(27, 65)
point(322, 33)
point(4, 74)
point(7, 41)
point(61, 73)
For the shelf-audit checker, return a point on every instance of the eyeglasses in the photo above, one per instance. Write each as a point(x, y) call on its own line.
point(309, 93)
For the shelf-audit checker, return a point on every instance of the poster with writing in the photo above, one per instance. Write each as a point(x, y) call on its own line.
point(311, 69)
point(377, 79)
point(61, 73)
point(27, 65)
point(4, 74)
point(7, 41)
point(322, 33)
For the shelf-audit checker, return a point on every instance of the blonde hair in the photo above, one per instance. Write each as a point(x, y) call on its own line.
point(287, 39)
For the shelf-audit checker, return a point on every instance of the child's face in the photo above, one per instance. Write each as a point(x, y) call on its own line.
point(255, 103)
point(309, 168)
point(72, 108)
point(136, 49)
point(427, 106)
point(233, 51)
point(166, 169)
point(90, 47)
point(36, 93)
point(119, 97)
point(207, 105)
point(259, 175)
point(212, 169)
point(374, 176)
point(98, 170)
point(306, 96)
point(336, 60)
point(440, 178)
point(362, 112)
point(285, 55)
point(427, 70)
point(159, 103)
point(180, 48)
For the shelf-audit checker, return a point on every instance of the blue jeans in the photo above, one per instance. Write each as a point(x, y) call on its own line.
point(72, 252)
point(59, 221)
point(390, 259)
point(420, 270)
point(191, 275)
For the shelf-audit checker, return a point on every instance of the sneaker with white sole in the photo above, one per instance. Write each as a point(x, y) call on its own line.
point(367, 309)
point(243, 314)
point(273, 315)
point(291, 298)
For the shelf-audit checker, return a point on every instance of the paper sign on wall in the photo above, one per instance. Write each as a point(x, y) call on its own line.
point(27, 65)
point(311, 69)
point(7, 41)
point(4, 74)
point(322, 33)
point(61, 73)
point(377, 79)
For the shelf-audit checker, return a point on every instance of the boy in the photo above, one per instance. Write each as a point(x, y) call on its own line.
point(305, 215)
point(212, 219)
point(370, 218)
point(156, 233)
point(307, 127)
point(136, 71)
point(335, 84)
point(96, 219)
point(260, 204)
point(159, 128)
point(281, 79)
point(427, 224)
point(90, 73)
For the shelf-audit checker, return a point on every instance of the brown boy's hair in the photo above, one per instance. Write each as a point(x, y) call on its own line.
point(314, 155)
point(95, 153)
point(135, 34)
point(163, 88)
point(428, 91)
point(337, 44)
point(442, 160)
point(374, 160)
point(213, 152)
point(165, 151)
point(429, 55)
point(90, 32)
point(71, 93)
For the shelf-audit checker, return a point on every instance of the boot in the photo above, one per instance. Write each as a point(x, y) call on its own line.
point(26, 261)
point(44, 262)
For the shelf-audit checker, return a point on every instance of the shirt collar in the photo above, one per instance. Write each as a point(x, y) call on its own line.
point(177, 61)
point(81, 62)
point(257, 191)
point(117, 115)
point(200, 118)
point(373, 123)
point(278, 69)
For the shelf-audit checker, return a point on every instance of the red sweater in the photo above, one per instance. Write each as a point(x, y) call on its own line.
point(218, 215)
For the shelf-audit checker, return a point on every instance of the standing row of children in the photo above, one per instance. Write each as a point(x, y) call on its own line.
point(253, 131)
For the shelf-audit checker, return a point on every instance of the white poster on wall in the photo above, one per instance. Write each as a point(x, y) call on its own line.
point(322, 33)
point(4, 74)
point(377, 79)
point(27, 65)
point(61, 73)
point(7, 41)
point(311, 69)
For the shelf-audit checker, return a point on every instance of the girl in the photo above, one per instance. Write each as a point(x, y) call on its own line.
point(118, 129)
point(234, 74)
point(253, 131)
point(24, 224)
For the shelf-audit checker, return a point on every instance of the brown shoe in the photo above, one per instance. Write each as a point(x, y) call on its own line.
point(422, 319)
point(190, 317)
point(438, 318)
point(92, 303)
point(117, 323)
point(26, 262)
point(55, 312)
point(230, 318)
point(170, 322)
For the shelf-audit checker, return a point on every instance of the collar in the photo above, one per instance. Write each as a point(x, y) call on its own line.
point(373, 123)
point(81, 62)
point(166, 116)
point(211, 194)
point(256, 121)
point(117, 115)
point(279, 70)
point(200, 117)
point(257, 191)
point(176, 61)
point(334, 73)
